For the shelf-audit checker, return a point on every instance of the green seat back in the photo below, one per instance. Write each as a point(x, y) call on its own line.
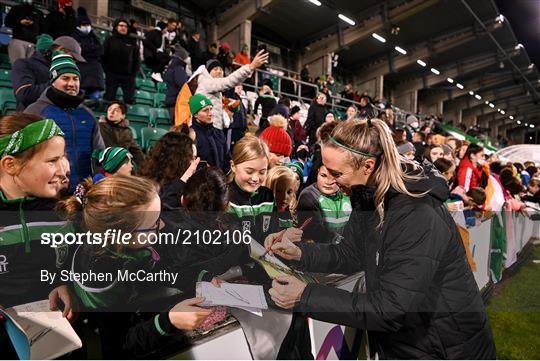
point(150, 136)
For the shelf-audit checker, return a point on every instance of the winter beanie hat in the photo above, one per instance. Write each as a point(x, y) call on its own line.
point(411, 119)
point(298, 168)
point(44, 42)
point(82, 17)
point(278, 140)
point(213, 63)
point(294, 110)
point(405, 148)
point(112, 158)
point(197, 102)
point(62, 63)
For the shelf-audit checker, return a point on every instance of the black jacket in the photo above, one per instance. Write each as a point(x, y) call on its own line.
point(175, 77)
point(211, 145)
point(30, 77)
point(194, 49)
point(25, 11)
point(152, 42)
point(92, 51)
point(268, 102)
point(61, 24)
point(314, 120)
point(422, 300)
point(121, 55)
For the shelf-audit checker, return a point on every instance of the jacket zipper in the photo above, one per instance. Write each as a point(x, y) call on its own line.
point(74, 139)
point(24, 228)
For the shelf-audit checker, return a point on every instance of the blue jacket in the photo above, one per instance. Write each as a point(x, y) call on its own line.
point(175, 77)
point(211, 145)
point(81, 130)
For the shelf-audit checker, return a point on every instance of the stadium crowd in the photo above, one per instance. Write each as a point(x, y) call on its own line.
point(64, 170)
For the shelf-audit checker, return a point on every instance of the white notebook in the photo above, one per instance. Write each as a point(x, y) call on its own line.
point(248, 297)
point(38, 333)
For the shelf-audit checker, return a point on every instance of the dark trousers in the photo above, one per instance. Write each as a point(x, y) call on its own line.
point(158, 62)
point(114, 81)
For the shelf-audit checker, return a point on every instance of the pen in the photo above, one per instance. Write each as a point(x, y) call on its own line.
point(236, 295)
point(280, 236)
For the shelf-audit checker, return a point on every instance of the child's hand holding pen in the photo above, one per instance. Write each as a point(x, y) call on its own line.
point(282, 243)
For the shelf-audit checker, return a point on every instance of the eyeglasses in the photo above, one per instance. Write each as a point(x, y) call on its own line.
point(155, 228)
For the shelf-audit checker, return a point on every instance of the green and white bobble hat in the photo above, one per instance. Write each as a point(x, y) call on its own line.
point(62, 63)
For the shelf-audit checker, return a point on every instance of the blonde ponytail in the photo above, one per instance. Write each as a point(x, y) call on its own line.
point(373, 139)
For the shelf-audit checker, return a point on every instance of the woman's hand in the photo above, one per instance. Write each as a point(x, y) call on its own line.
point(259, 60)
point(186, 315)
point(287, 291)
point(284, 248)
point(63, 294)
point(191, 170)
point(217, 281)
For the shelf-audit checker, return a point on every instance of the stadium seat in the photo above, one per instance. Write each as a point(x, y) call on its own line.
point(144, 98)
point(151, 135)
point(134, 132)
point(7, 101)
point(139, 113)
point(5, 79)
point(159, 100)
point(161, 117)
point(4, 61)
point(145, 84)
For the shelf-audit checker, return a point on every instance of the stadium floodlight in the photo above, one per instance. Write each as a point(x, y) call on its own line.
point(477, 96)
point(511, 117)
point(491, 105)
point(435, 71)
point(421, 62)
point(460, 86)
point(518, 122)
point(315, 2)
point(503, 112)
point(400, 50)
point(378, 37)
point(532, 126)
point(349, 21)
point(471, 93)
point(499, 19)
point(450, 80)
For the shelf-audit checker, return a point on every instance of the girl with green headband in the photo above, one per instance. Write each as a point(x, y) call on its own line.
point(422, 300)
point(31, 173)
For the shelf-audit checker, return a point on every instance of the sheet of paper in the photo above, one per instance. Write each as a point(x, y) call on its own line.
point(232, 295)
point(257, 250)
point(49, 334)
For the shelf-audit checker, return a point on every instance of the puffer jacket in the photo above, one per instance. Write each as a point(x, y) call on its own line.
point(79, 125)
point(212, 88)
point(119, 135)
point(422, 301)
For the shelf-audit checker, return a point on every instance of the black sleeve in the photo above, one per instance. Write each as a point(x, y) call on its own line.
point(309, 120)
point(24, 84)
point(308, 207)
point(12, 18)
point(406, 270)
point(170, 194)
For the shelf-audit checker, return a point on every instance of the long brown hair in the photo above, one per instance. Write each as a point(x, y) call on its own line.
point(168, 159)
point(375, 137)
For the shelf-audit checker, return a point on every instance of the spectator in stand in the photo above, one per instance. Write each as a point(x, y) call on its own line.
point(329, 117)
point(194, 49)
point(176, 76)
point(331, 85)
point(433, 152)
point(211, 83)
point(288, 87)
point(116, 133)
point(267, 101)
point(211, 142)
point(278, 140)
point(531, 170)
point(352, 111)
point(430, 138)
point(447, 152)
point(523, 174)
point(26, 23)
point(210, 53)
point(470, 168)
point(295, 127)
point(419, 143)
point(181, 109)
point(30, 77)
point(135, 30)
point(304, 74)
point(172, 36)
point(121, 62)
point(388, 117)
point(411, 126)
point(61, 20)
point(92, 81)
point(447, 169)
point(242, 57)
point(226, 57)
point(155, 55)
point(406, 149)
point(239, 123)
point(347, 95)
point(62, 103)
point(533, 191)
point(399, 135)
point(315, 118)
point(283, 107)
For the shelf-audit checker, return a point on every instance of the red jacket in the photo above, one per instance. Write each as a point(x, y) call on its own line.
point(298, 133)
point(468, 176)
